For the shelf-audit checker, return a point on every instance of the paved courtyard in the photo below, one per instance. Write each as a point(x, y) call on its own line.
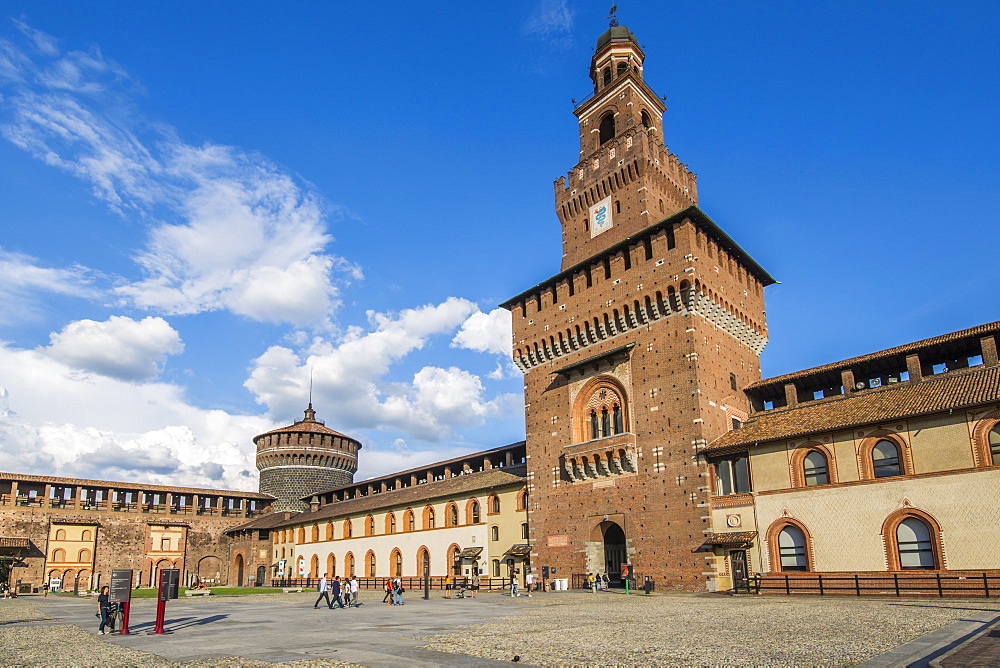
point(563, 628)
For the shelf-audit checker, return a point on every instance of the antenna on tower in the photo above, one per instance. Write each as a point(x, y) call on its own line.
point(612, 12)
point(310, 387)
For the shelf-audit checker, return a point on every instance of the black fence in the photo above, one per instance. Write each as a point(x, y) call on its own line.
point(973, 585)
point(411, 584)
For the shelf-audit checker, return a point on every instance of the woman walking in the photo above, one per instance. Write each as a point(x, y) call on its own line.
point(104, 608)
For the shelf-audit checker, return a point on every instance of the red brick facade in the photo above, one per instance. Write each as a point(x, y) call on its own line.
point(636, 353)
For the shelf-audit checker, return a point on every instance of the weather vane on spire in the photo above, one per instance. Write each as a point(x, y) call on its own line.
point(614, 19)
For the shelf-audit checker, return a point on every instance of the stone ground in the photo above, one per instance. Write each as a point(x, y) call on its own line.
point(555, 629)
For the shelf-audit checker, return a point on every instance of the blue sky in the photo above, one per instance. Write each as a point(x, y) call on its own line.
point(202, 202)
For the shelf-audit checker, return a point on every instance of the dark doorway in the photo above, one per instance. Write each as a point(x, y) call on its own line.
point(741, 575)
point(609, 538)
point(261, 576)
point(239, 570)
point(614, 550)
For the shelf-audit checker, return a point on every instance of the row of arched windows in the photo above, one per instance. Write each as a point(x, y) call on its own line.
point(912, 541)
point(453, 517)
point(59, 556)
point(87, 534)
point(395, 566)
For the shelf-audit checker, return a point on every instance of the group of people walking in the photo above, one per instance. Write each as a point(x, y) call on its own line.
point(337, 592)
point(597, 582)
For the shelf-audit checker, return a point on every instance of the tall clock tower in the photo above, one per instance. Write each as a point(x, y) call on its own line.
point(635, 353)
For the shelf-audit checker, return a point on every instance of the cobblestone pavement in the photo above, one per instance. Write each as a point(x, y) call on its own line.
point(556, 629)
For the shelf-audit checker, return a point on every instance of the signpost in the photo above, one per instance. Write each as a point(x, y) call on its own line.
point(121, 592)
point(169, 579)
point(626, 575)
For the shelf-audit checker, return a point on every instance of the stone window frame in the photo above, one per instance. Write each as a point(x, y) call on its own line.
point(981, 454)
point(494, 533)
point(473, 512)
point(371, 563)
point(396, 562)
point(390, 522)
point(890, 541)
point(866, 465)
point(796, 464)
point(348, 528)
point(370, 525)
point(493, 505)
point(331, 564)
point(451, 516)
point(582, 405)
point(315, 533)
point(329, 530)
point(409, 520)
point(774, 550)
point(522, 500)
point(349, 563)
point(314, 566)
point(429, 519)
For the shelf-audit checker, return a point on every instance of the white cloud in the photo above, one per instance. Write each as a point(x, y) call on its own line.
point(119, 347)
point(112, 429)
point(22, 277)
point(349, 377)
point(228, 229)
point(486, 332)
point(551, 18)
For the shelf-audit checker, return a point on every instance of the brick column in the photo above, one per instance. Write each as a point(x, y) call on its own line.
point(13, 493)
point(791, 395)
point(913, 367)
point(989, 345)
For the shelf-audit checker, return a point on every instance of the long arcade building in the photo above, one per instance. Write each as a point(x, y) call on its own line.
point(651, 438)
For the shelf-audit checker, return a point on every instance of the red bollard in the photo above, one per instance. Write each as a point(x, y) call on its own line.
point(124, 630)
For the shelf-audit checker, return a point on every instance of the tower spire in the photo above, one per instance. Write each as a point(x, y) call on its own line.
point(310, 413)
point(613, 19)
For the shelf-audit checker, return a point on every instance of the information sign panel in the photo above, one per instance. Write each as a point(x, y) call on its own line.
point(121, 586)
point(169, 580)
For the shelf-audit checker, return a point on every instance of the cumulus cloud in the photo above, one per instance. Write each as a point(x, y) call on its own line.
point(22, 278)
point(228, 229)
point(112, 429)
point(486, 332)
point(119, 347)
point(349, 376)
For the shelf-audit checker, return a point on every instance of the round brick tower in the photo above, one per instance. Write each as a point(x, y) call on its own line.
point(302, 459)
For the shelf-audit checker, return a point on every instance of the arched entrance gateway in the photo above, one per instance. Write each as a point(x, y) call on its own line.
point(606, 551)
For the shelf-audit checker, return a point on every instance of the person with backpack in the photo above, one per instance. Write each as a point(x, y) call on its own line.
point(387, 599)
point(397, 591)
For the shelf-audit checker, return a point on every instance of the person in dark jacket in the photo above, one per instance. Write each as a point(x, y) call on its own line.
point(104, 608)
point(335, 590)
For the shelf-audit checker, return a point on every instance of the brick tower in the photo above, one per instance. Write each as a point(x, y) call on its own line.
point(304, 458)
point(635, 353)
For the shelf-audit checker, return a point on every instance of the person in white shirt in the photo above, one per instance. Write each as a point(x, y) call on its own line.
point(529, 581)
point(324, 593)
point(354, 591)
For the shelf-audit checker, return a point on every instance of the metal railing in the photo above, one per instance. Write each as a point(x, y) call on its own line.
point(971, 585)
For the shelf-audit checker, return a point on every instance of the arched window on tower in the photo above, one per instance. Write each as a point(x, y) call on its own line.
point(595, 429)
point(605, 423)
point(607, 127)
point(647, 122)
point(621, 69)
point(616, 417)
point(606, 75)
